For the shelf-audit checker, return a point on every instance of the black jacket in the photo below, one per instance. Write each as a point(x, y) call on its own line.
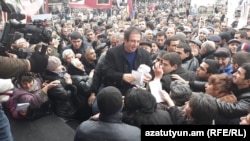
point(108, 128)
point(197, 86)
point(209, 55)
point(81, 80)
point(98, 78)
point(83, 83)
point(237, 109)
point(62, 100)
point(62, 96)
point(158, 117)
point(116, 65)
point(185, 74)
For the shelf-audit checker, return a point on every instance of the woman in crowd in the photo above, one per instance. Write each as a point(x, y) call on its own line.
point(67, 56)
point(62, 96)
point(28, 90)
point(83, 82)
point(220, 86)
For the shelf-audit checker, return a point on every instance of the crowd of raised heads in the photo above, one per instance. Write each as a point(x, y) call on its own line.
point(159, 68)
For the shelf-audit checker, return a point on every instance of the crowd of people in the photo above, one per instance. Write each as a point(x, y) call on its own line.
point(88, 74)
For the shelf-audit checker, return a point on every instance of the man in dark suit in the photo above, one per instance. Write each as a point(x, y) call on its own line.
point(121, 60)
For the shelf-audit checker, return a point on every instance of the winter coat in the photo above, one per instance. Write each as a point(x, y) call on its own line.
point(116, 65)
point(108, 128)
point(35, 98)
point(185, 74)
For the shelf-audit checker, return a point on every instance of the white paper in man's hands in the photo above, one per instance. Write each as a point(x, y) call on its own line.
point(139, 74)
point(144, 68)
point(22, 106)
point(138, 78)
point(155, 88)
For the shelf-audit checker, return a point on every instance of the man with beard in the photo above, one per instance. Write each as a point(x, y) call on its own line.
point(230, 113)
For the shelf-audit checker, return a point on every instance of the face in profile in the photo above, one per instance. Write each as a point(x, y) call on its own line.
point(187, 112)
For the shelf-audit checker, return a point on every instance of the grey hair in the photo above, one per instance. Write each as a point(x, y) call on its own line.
point(180, 92)
point(208, 45)
point(66, 52)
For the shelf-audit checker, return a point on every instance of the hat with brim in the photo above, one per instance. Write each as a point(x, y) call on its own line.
point(234, 41)
point(222, 52)
point(146, 43)
point(197, 42)
point(214, 38)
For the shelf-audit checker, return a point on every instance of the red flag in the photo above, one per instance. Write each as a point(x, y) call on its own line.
point(130, 9)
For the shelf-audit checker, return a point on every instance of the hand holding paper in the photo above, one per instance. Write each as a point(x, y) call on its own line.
point(142, 71)
point(166, 97)
point(128, 77)
point(22, 106)
point(155, 88)
point(138, 78)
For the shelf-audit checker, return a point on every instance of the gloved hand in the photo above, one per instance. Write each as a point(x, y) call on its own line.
point(38, 62)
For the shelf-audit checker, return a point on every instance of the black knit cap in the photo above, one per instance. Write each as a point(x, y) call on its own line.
point(109, 100)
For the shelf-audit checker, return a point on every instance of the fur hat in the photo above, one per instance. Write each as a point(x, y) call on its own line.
point(53, 63)
point(109, 100)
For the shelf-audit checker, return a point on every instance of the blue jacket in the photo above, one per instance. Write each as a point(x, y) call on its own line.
point(228, 70)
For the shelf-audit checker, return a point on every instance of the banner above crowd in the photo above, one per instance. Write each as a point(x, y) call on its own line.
point(101, 4)
point(202, 7)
